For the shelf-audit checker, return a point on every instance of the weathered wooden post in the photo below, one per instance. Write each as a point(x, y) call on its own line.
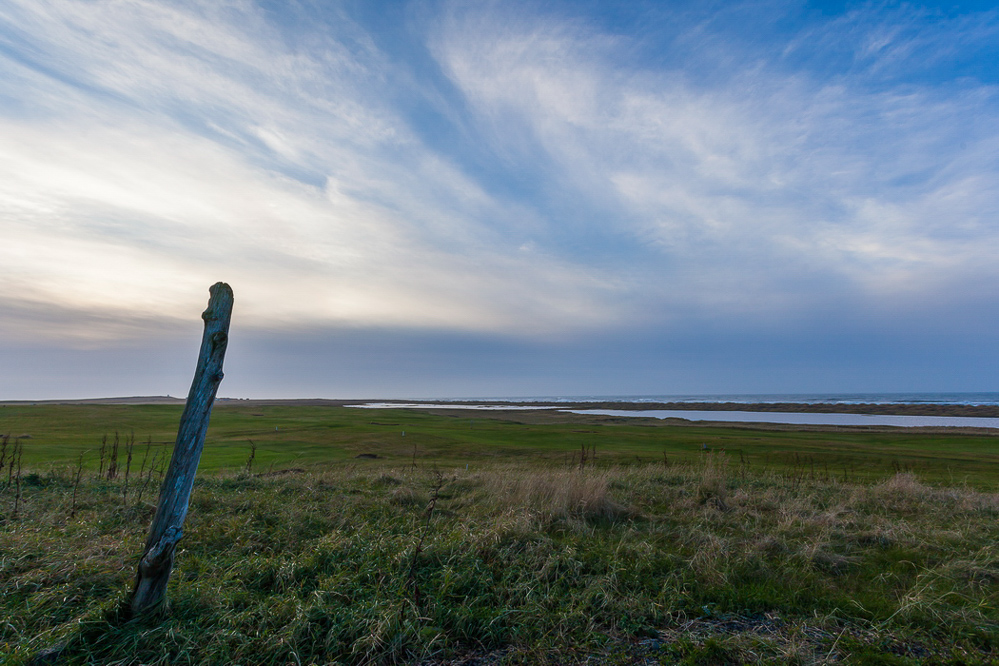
point(149, 594)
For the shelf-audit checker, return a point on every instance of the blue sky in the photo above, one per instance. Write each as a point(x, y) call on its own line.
point(430, 199)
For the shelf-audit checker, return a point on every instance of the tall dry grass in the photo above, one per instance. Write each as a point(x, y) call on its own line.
point(557, 493)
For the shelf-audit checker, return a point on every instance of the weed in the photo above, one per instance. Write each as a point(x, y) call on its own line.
point(104, 448)
point(411, 582)
point(129, 447)
point(76, 486)
point(712, 488)
point(112, 472)
point(253, 454)
point(16, 455)
point(3, 453)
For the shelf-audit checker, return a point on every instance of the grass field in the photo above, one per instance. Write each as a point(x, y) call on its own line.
point(304, 435)
point(673, 544)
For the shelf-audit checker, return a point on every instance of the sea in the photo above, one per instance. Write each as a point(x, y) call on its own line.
point(750, 398)
point(736, 416)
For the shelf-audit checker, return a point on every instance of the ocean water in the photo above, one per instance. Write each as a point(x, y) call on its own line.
point(804, 418)
point(553, 402)
point(748, 398)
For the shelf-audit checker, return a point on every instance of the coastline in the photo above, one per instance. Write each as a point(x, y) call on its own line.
point(898, 409)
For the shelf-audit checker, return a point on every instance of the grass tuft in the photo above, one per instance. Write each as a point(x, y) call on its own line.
point(559, 494)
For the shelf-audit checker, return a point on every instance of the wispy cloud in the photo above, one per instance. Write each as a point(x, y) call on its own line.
point(768, 186)
point(148, 149)
point(161, 147)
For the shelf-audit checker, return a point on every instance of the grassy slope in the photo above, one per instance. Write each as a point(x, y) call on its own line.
point(708, 560)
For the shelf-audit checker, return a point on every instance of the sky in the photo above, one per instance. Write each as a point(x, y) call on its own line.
point(470, 199)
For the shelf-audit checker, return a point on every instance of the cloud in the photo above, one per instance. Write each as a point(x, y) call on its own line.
point(763, 189)
point(148, 149)
point(900, 43)
point(168, 146)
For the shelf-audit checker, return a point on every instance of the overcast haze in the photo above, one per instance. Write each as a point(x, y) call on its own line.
point(437, 199)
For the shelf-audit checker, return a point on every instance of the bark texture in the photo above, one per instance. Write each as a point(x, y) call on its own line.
point(149, 593)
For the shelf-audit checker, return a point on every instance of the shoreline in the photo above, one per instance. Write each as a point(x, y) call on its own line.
point(897, 409)
point(892, 409)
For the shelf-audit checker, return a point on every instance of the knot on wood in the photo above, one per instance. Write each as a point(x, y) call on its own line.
point(160, 555)
point(220, 339)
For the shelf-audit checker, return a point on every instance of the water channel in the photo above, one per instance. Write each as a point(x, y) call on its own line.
point(788, 418)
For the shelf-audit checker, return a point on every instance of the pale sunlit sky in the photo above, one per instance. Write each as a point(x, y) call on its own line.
point(446, 199)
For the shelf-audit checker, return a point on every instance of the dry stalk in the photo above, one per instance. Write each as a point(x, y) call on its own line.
point(113, 459)
point(411, 581)
point(18, 451)
point(76, 484)
point(3, 451)
point(148, 474)
point(10, 464)
point(129, 447)
point(104, 449)
point(253, 454)
point(145, 458)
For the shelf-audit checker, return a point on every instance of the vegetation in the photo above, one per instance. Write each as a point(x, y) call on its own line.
point(286, 435)
point(495, 539)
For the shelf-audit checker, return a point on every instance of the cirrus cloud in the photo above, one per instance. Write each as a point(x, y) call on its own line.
point(513, 171)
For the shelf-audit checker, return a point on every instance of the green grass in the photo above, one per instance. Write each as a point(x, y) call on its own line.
point(290, 435)
point(736, 556)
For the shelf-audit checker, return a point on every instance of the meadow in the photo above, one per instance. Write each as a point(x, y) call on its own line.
point(321, 535)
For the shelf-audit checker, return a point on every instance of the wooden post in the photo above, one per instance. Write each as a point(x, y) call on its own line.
point(149, 593)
